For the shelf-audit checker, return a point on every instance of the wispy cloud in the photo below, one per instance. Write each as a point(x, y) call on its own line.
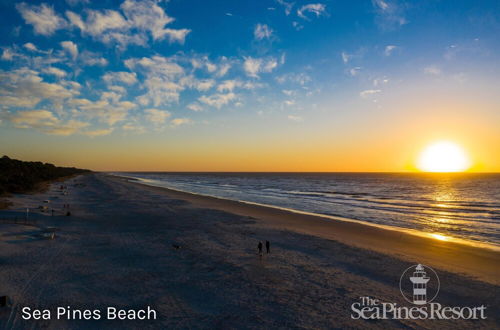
point(287, 5)
point(180, 121)
point(432, 70)
point(157, 116)
point(369, 92)
point(71, 48)
point(317, 9)
point(294, 118)
point(54, 71)
point(194, 107)
point(43, 18)
point(389, 13)
point(254, 66)
point(354, 71)
point(262, 31)
point(345, 57)
point(99, 132)
point(128, 78)
point(45, 121)
point(389, 50)
point(124, 27)
point(217, 100)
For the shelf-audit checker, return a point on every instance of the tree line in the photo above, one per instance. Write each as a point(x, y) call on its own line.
point(17, 176)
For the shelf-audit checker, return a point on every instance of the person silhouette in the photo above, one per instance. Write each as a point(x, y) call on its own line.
point(259, 246)
point(268, 247)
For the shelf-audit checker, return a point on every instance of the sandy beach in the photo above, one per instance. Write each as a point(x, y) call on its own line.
point(117, 249)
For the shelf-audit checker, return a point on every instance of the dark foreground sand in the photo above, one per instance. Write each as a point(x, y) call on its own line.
point(116, 250)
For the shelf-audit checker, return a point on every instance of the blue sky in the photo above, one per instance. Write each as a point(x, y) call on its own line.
point(104, 69)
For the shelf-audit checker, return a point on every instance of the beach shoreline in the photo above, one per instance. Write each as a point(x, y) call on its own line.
point(194, 260)
point(476, 260)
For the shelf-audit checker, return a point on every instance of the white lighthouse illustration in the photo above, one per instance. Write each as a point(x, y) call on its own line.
point(419, 280)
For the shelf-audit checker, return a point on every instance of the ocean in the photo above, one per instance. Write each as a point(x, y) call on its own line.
point(448, 206)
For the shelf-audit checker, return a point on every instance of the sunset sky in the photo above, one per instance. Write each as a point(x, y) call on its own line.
point(187, 85)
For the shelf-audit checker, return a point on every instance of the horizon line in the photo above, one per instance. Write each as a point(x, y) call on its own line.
point(319, 172)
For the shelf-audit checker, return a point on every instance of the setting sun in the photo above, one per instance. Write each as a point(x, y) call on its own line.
point(443, 156)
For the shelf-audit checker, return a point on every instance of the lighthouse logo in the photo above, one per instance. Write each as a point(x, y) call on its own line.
point(419, 284)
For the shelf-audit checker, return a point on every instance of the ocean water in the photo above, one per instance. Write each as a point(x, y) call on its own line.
point(462, 206)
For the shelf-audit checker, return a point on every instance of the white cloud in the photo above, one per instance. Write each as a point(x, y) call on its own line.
point(316, 8)
point(25, 88)
point(296, 119)
point(45, 121)
point(262, 31)
point(160, 91)
point(77, 2)
point(288, 6)
point(231, 84)
point(432, 70)
point(180, 121)
point(156, 65)
point(66, 128)
point(71, 48)
point(108, 109)
point(297, 25)
point(201, 85)
point(345, 57)
point(76, 20)
point(217, 100)
point(118, 89)
point(162, 80)
point(296, 78)
point(195, 107)
point(43, 18)
point(131, 27)
point(34, 118)
point(128, 78)
point(133, 128)
point(355, 71)
point(389, 50)
point(99, 132)
point(8, 54)
point(147, 15)
point(369, 92)
point(228, 85)
point(30, 46)
point(223, 69)
point(380, 81)
point(157, 116)
point(254, 66)
point(381, 4)
point(389, 14)
point(99, 22)
point(54, 71)
point(89, 58)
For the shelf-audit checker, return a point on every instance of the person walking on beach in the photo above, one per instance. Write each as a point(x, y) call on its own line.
point(268, 247)
point(259, 246)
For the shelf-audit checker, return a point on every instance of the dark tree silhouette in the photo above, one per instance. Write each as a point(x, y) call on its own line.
point(17, 176)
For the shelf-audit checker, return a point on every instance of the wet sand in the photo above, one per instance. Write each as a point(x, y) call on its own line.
point(116, 249)
point(475, 261)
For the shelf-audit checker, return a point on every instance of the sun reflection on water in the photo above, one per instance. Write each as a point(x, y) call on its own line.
point(440, 237)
